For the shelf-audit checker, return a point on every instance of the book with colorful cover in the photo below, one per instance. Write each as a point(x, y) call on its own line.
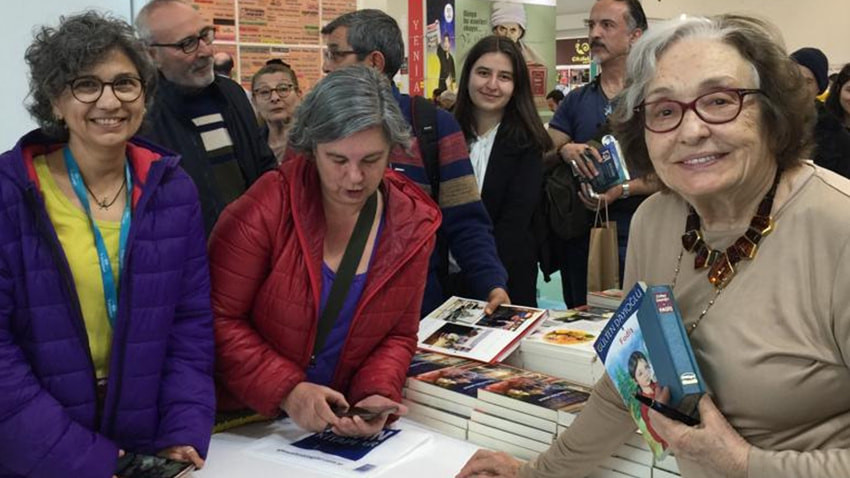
point(460, 327)
point(461, 384)
point(622, 349)
point(634, 349)
point(536, 394)
point(612, 170)
point(424, 361)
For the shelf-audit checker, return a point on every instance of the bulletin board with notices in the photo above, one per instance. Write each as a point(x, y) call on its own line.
point(254, 31)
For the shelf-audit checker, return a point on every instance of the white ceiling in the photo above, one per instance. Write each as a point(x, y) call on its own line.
point(567, 7)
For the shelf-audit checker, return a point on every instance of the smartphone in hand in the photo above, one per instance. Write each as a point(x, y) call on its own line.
point(367, 413)
point(132, 465)
point(668, 412)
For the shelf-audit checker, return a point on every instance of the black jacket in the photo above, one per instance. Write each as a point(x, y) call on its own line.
point(511, 194)
point(832, 142)
point(168, 125)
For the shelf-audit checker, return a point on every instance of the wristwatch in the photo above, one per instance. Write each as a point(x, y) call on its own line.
point(625, 193)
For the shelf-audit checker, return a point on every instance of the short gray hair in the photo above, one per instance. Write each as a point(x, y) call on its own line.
point(80, 42)
point(372, 30)
point(345, 102)
point(786, 111)
point(143, 29)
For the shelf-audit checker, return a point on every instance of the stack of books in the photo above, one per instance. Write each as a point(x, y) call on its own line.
point(521, 414)
point(562, 346)
point(508, 409)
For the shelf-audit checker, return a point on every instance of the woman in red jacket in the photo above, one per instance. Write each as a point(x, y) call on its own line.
point(276, 251)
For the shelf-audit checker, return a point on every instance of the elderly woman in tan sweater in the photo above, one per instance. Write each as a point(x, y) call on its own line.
point(717, 111)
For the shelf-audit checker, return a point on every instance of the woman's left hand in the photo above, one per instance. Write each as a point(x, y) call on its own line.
point(185, 453)
point(713, 443)
point(357, 426)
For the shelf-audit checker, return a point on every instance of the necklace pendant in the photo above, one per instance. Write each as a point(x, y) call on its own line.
point(722, 271)
point(102, 203)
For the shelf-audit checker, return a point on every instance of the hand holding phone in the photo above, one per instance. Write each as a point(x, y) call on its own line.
point(132, 465)
point(366, 413)
point(668, 412)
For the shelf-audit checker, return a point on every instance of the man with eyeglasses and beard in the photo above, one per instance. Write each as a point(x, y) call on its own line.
point(613, 27)
point(204, 117)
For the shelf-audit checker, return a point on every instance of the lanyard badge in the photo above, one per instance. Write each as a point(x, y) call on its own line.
point(110, 289)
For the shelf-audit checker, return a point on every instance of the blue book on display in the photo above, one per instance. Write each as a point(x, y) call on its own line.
point(670, 351)
point(612, 169)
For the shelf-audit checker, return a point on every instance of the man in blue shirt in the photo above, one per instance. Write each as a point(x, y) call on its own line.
point(613, 26)
point(373, 38)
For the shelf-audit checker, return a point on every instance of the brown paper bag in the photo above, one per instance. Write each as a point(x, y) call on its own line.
point(603, 265)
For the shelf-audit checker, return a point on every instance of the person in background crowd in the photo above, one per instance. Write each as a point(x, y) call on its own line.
point(206, 118)
point(277, 252)
point(506, 139)
point(276, 95)
point(832, 140)
point(435, 95)
point(553, 99)
point(105, 316)
point(448, 100)
point(613, 27)
point(716, 108)
point(838, 102)
point(223, 64)
point(373, 38)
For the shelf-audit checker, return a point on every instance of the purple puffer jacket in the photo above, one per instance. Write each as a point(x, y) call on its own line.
point(160, 389)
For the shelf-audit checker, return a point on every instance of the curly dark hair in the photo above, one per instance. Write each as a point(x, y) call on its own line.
point(787, 113)
point(80, 42)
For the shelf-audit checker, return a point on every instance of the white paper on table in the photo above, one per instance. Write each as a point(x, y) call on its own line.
point(391, 452)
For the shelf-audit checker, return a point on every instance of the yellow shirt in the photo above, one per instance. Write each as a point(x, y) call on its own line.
point(77, 239)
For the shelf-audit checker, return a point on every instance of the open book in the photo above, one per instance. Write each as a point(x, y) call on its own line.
point(459, 327)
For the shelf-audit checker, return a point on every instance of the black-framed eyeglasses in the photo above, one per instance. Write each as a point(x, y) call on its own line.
point(89, 89)
point(190, 44)
point(715, 107)
point(337, 55)
point(283, 90)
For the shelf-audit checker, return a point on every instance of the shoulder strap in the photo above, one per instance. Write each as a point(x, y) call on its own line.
point(345, 272)
point(424, 116)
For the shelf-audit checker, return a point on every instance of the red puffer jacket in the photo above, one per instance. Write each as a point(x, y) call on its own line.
point(265, 261)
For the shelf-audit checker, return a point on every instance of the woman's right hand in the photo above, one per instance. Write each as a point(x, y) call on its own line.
point(310, 406)
point(490, 463)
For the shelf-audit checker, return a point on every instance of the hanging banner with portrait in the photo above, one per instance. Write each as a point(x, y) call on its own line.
point(440, 67)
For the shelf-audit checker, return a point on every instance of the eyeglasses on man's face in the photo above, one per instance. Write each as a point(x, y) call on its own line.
point(191, 43)
point(336, 56)
point(283, 90)
point(715, 107)
point(89, 89)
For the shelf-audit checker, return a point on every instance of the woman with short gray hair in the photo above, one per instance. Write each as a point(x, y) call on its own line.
point(319, 269)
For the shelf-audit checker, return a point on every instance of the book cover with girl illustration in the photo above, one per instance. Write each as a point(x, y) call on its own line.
point(622, 349)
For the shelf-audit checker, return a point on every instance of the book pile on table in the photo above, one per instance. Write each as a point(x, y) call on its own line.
point(509, 409)
point(562, 345)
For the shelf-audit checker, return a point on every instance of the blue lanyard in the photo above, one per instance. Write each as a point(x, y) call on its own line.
point(110, 291)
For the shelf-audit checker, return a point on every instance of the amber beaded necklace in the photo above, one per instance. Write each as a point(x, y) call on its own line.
point(722, 264)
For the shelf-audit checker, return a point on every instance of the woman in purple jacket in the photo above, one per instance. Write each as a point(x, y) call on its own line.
point(105, 321)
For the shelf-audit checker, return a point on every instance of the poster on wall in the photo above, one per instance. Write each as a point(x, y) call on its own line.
point(440, 45)
point(532, 25)
point(276, 22)
point(285, 29)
